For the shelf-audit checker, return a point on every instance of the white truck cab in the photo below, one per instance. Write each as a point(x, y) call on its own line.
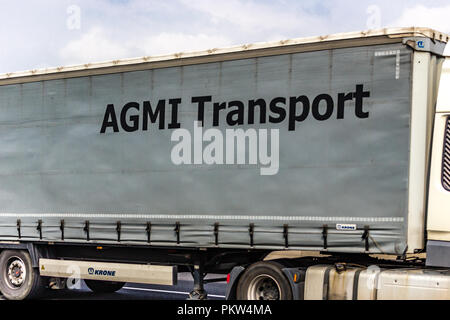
point(438, 215)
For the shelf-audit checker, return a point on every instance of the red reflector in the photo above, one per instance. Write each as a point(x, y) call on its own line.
point(228, 278)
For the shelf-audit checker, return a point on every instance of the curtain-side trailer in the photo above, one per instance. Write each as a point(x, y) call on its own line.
point(334, 147)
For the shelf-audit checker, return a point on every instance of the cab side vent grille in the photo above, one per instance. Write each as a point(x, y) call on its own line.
point(446, 158)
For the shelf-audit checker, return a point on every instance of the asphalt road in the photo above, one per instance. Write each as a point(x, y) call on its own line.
point(135, 291)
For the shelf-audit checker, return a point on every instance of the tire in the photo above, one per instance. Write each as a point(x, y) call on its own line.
point(18, 279)
point(104, 286)
point(264, 281)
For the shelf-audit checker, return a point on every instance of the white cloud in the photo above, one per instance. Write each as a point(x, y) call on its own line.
point(432, 17)
point(251, 19)
point(36, 34)
point(98, 45)
point(94, 45)
point(165, 43)
point(422, 16)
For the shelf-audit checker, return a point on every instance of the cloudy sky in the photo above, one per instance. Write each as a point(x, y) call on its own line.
point(45, 33)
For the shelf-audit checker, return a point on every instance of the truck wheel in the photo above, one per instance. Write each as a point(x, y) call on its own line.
point(104, 286)
point(264, 281)
point(18, 279)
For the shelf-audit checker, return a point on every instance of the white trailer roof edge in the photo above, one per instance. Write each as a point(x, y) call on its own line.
point(368, 37)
